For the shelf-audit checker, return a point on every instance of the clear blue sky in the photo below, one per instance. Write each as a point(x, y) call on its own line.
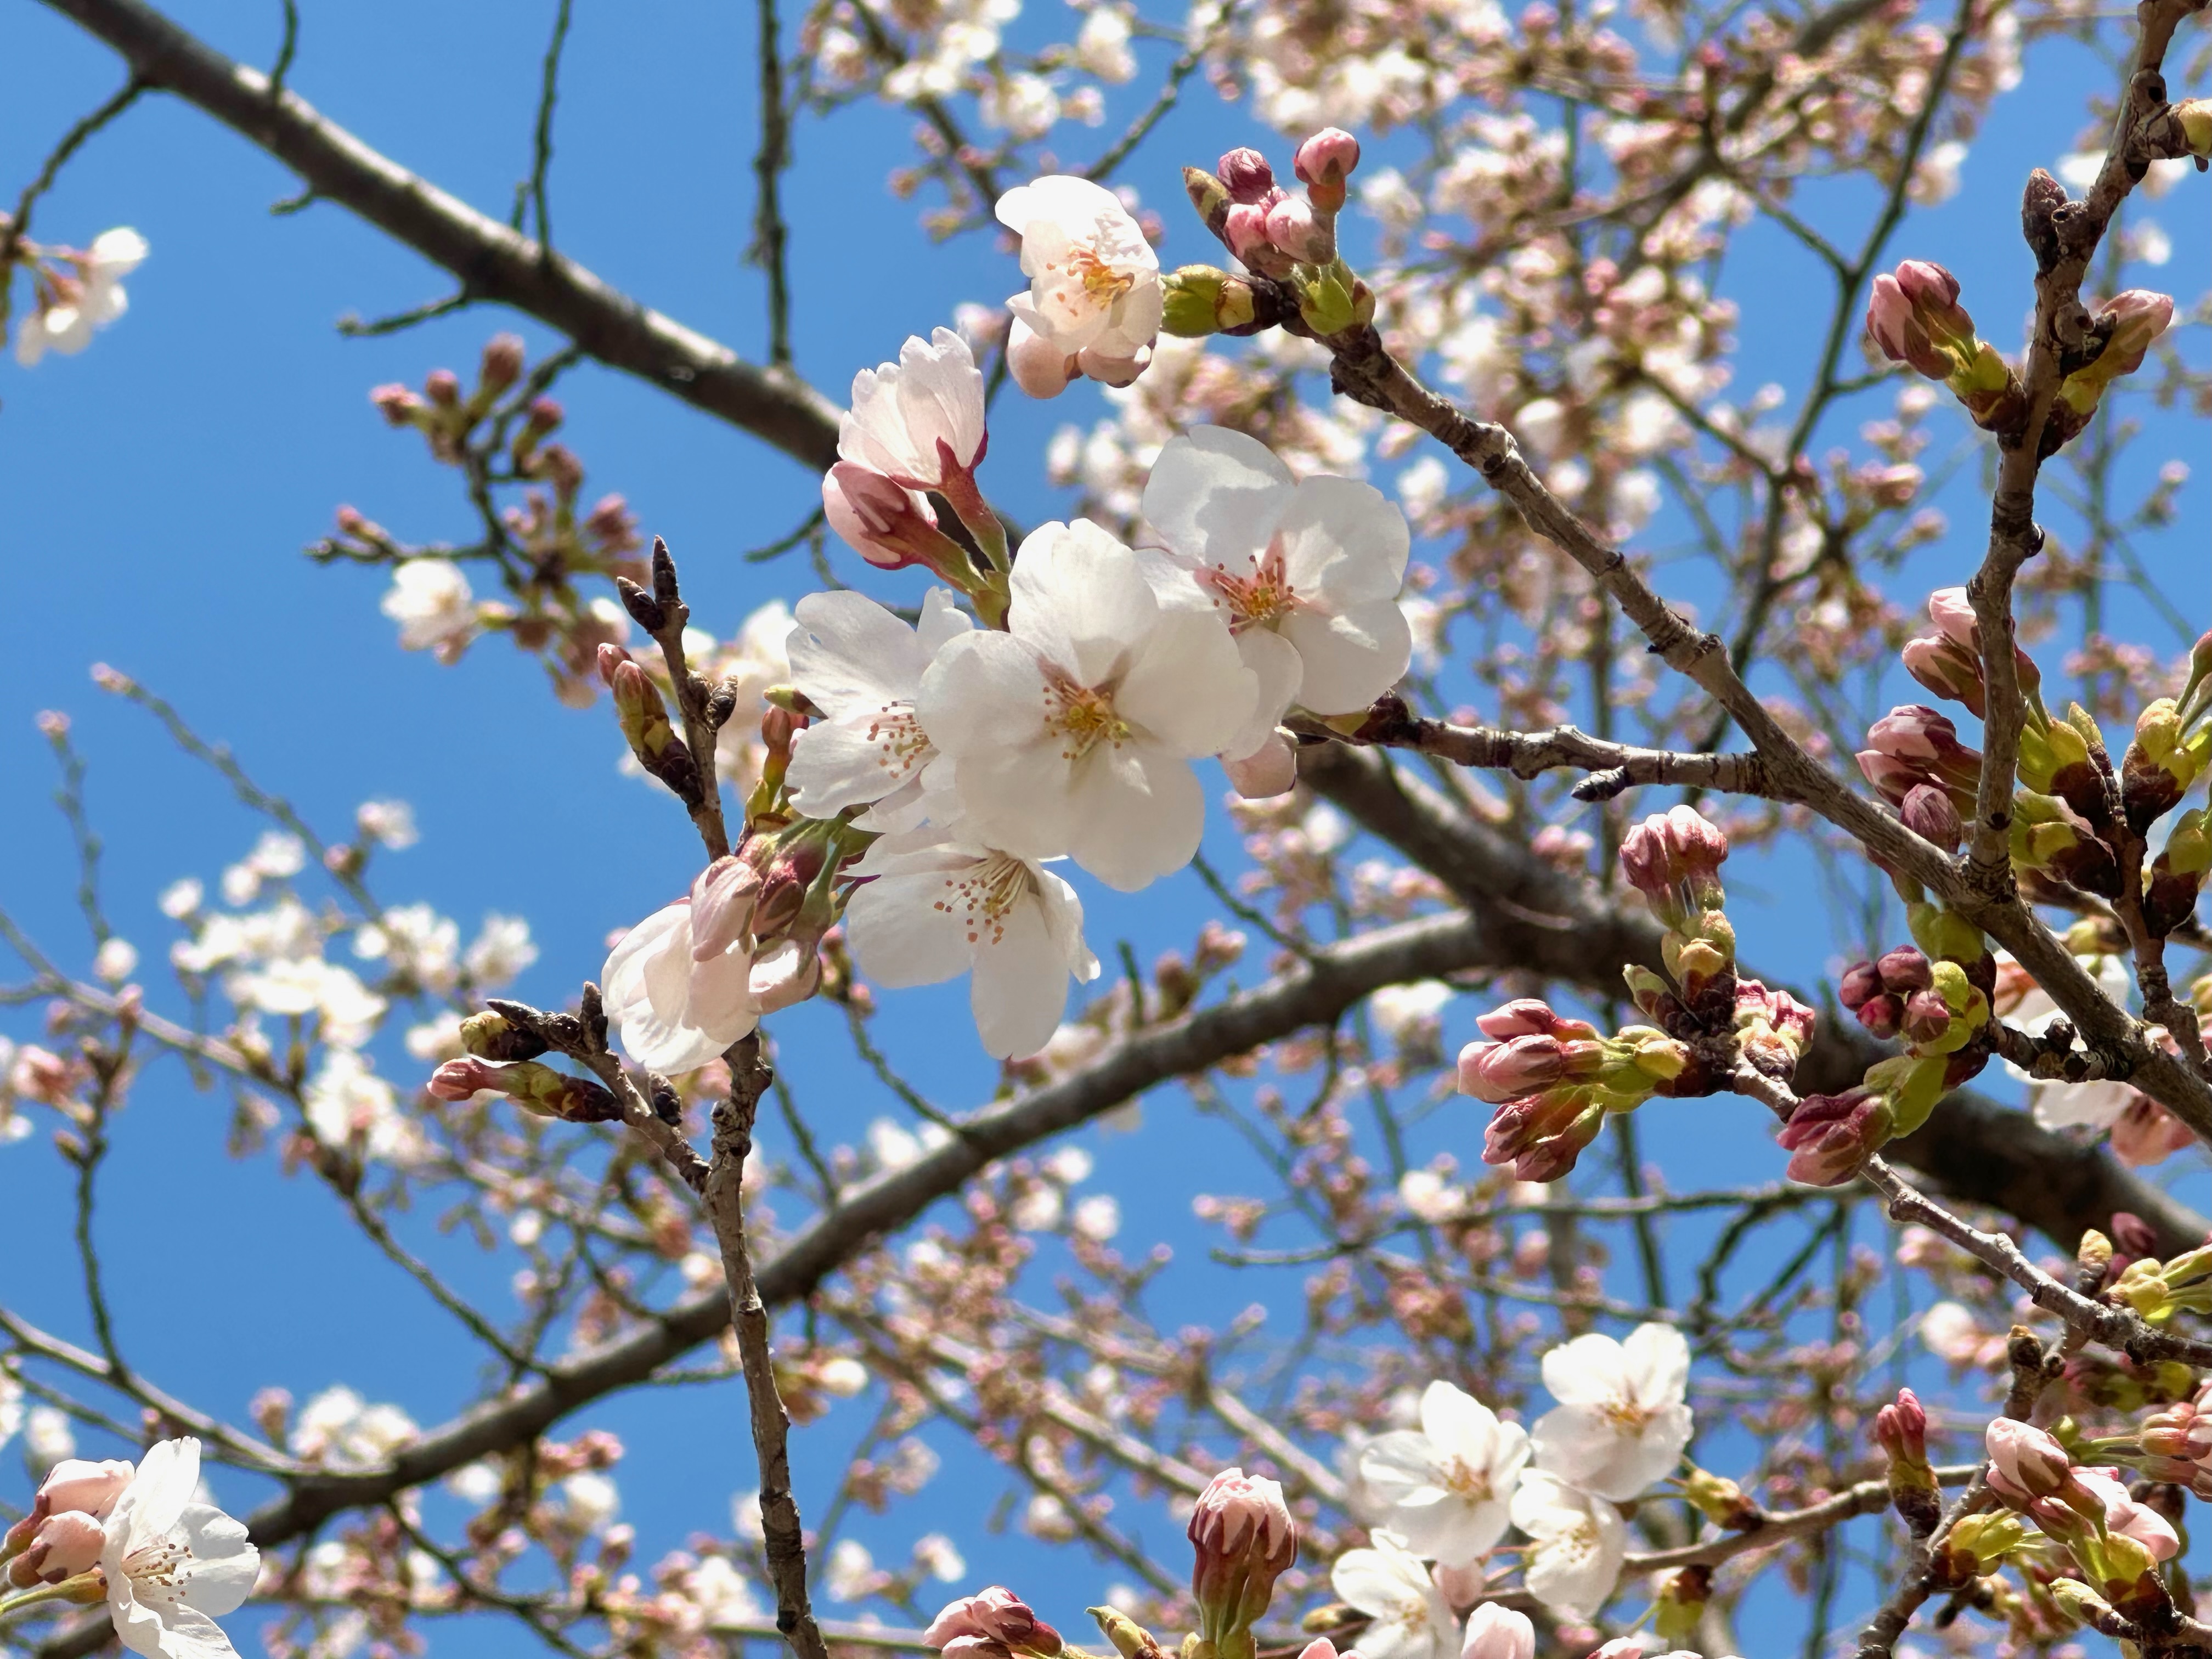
point(160, 486)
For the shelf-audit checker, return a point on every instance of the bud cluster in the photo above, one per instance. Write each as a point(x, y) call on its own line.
point(1282, 237)
point(1554, 1080)
point(1935, 994)
point(1915, 317)
point(2117, 1541)
point(62, 1537)
point(2159, 1290)
point(1673, 860)
point(2176, 1444)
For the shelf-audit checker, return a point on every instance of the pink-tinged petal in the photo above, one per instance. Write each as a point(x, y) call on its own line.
point(1214, 496)
point(1187, 687)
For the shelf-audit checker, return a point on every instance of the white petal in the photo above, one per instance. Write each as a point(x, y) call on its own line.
point(849, 653)
point(1214, 496)
point(224, 1564)
point(859, 758)
point(1080, 598)
point(1344, 538)
point(900, 938)
point(1587, 1371)
point(942, 619)
point(1135, 813)
point(1658, 1360)
point(1186, 687)
point(1020, 987)
point(168, 1476)
point(1352, 657)
point(981, 692)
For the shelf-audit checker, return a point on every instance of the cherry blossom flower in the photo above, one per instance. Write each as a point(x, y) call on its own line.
point(678, 1001)
point(430, 600)
point(172, 1563)
point(1094, 302)
point(1447, 1484)
point(1387, 1583)
point(1621, 1423)
point(1576, 1543)
point(2124, 1514)
point(942, 904)
point(918, 421)
point(1306, 572)
point(89, 299)
point(862, 667)
point(1074, 731)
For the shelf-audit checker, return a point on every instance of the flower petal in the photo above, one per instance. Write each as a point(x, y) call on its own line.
point(1214, 496)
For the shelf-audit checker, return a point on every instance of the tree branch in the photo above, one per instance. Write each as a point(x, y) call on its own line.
point(492, 261)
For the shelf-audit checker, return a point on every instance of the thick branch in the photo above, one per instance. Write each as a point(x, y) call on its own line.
point(492, 261)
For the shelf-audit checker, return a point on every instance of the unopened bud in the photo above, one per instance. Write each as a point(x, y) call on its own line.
point(1200, 300)
point(491, 1037)
point(443, 387)
point(1324, 162)
point(1928, 812)
point(1246, 175)
point(644, 609)
point(501, 366)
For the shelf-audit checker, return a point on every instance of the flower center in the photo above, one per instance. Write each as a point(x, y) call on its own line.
point(1259, 600)
point(1628, 1415)
point(1463, 1481)
point(898, 738)
point(154, 1568)
point(1083, 716)
point(1100, 280)
point(985, 894)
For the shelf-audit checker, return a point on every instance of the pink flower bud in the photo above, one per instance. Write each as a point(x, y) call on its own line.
point(1532, 1016)
point(1861, 983)
point(399, 406)
point(996, 1614)
point(1247, 175)
point(1292, 228)
point(1902, 1429)
point(886, 523)
point(1905, 970)
point(1328, 158)
point(1930, 813)
point(1542, 1135)
point(502, 363)
point(1948, 669)
point(1499, 1633)
point(1246, 230)
point(1502, 1072)
point(1040, 368)
point(1242, 1538)
point(1271, 769)
point(2025, 1463)
point(1830, 1136)
point(2137, 318)
point(457, 1080)
point(1952, 613)
point(87, 1488)
point(606, 659)
point(545, 414)
point(1882, 1015)
point(65, 1545)
point(444, 387)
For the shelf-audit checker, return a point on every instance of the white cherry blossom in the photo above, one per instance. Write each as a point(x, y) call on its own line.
point(430, 600)
point(680, 1001)
point(918, 421)
point(1576, 1541)
point(67, 326)
point(940, 905)
point(1307, 573)
point(1387, 1583)
point(1447, 1483)
point(1073, 733)
point(862, 667)
point(1094, 301)
point(1621, 1422)
point(173, 1564)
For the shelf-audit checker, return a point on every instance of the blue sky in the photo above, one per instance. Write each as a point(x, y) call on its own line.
point(161, 486)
